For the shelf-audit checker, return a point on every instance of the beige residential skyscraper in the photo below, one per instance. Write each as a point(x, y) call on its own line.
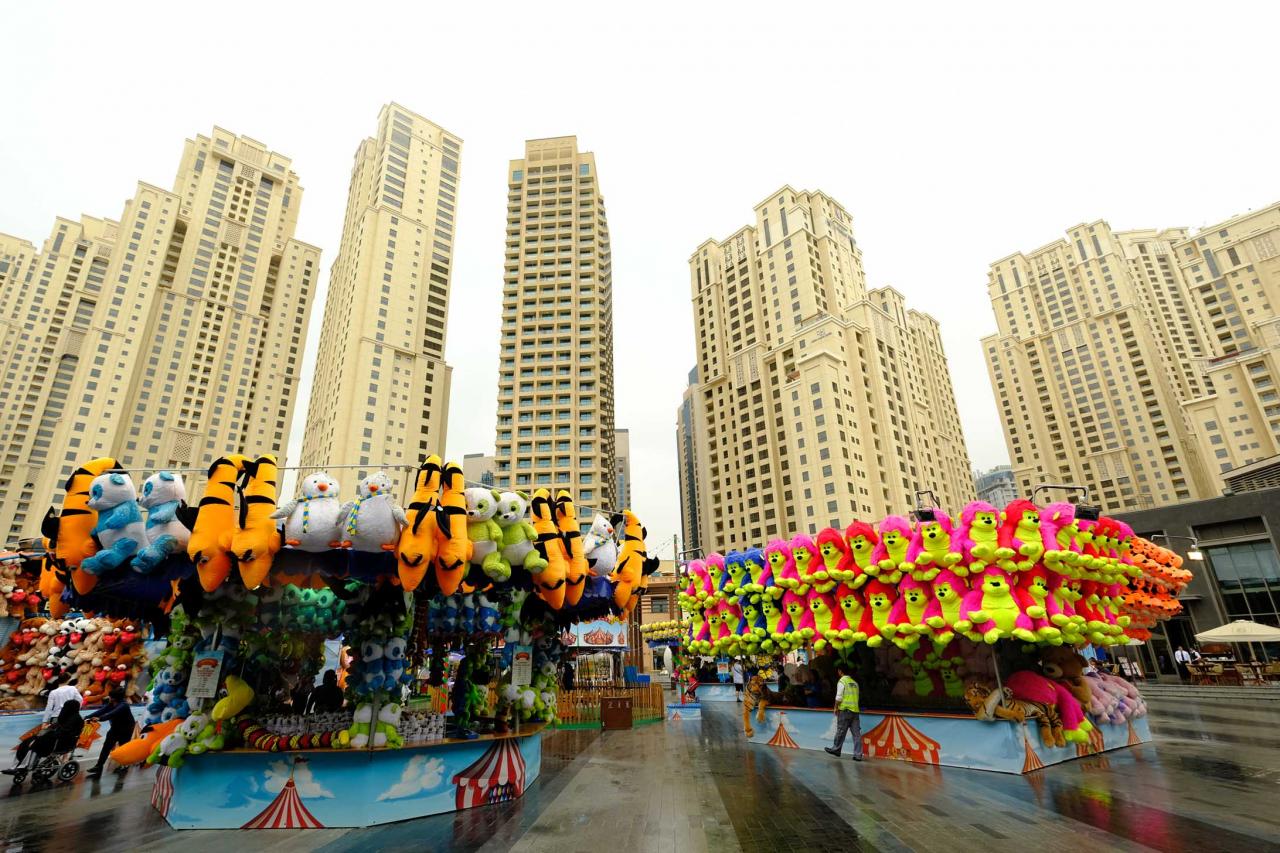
point(693, 492)
point(555, 397)
point(817, 401)
point(164, 339)
point(381, 387)
point(1094, 356)
point(1232, 275)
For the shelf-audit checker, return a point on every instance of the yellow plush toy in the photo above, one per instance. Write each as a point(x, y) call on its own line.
point(215, 525)
point(576, 565)
point(630, 570)
point(238, 697)
point(257, 540)
point(454, 547)
point(550, 582)
point(419, 540)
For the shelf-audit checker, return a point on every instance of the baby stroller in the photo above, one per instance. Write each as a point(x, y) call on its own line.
point(49, 758)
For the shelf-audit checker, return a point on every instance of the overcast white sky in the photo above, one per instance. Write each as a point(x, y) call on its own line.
point(955, 133)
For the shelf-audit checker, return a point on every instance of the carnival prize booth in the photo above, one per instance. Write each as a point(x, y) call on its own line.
point(448, 610)
point(964, 635)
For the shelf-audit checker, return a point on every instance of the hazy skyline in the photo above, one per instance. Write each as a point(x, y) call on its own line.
point(955, 135)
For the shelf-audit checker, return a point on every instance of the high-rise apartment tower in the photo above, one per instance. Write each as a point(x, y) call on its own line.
point(1141, 364)
point(818, 401)
point(381, 388)
point(164, 339)
point(555, 382)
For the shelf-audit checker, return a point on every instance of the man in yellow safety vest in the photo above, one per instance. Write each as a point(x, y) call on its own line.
point(846, 712)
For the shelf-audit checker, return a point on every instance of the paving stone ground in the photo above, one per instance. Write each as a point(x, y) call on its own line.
point(1210, 782)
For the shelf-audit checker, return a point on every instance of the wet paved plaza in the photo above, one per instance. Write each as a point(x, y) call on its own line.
point(1209, 782)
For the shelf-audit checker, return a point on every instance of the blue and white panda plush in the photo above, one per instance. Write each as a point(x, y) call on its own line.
point(487, 621)
point(393, 668)
point(163, 494)
point(372, 665)
point(119, 530)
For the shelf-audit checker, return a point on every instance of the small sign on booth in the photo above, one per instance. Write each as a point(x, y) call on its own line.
point(522, 666)
point(203, 682)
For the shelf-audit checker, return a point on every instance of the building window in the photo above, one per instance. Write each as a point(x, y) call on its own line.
point(659, 604)
point(1249, 576)
point(584, 169)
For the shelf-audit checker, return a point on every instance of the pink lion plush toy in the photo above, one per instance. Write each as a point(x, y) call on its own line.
point(990, 611)
point(977, 537)
point(1034, 687)
point(932, 548)
point(891, 552)
point(778, 555)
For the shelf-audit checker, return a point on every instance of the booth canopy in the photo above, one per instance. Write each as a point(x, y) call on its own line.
point(1240, 631)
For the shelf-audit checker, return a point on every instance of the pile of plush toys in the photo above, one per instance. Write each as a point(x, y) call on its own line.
point(656, 633)
point(937, 592)
point(263, 581)
point(1040, 575)
point(20, 595)
point(100, 654)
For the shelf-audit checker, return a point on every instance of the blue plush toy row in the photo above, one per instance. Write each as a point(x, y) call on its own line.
point(470, 613)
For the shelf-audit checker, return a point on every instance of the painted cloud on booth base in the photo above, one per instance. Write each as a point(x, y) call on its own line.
point(420, 774)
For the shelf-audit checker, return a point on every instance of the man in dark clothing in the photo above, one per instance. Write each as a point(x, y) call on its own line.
point(119, 718)
point(328, 696)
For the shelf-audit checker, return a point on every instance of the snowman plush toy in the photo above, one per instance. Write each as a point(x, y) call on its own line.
point(312, 520)
point(372, 522)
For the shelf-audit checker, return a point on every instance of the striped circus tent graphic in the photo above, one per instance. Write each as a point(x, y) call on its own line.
point(495, 777)
point(1031, 760)
point(896, 738)
point(781, 737)
point(162, 790)
point(675, 715)
point(1093, 745)
point(1134, 740)
point(286, 811)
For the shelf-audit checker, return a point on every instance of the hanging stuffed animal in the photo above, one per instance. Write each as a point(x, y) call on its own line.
point(891, 552)
point(485, 533)
point(861, 539)
point(931, 548)
point(908, 613)
point(782, 567)
point(631, 563)
point(1020, 533)
point(835, 555)
point(949, 590)
point(419, 540)
point(600, 547)
point(215, 522)
point(257, 540)
point(990, 611)
point(804, 553)
point(576, 573)
point(164, 495)
point(374, 519)
point(978, 538)
point(453, 547)
point(119, 530)
point(70, 534)
point(311, 519)
point(549, 583)
point(518, 535)
point(875, 624)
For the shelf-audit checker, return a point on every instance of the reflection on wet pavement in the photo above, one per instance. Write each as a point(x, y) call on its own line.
point(1210, 782)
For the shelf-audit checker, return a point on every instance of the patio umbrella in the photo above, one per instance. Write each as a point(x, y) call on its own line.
point(1240, 631)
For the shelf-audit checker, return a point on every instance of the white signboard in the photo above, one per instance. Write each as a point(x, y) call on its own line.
point(205, 669)
point(522, 666)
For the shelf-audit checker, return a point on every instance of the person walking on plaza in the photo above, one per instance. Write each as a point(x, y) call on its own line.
point(119, 719)
point(737, 679)
point(846, 712)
